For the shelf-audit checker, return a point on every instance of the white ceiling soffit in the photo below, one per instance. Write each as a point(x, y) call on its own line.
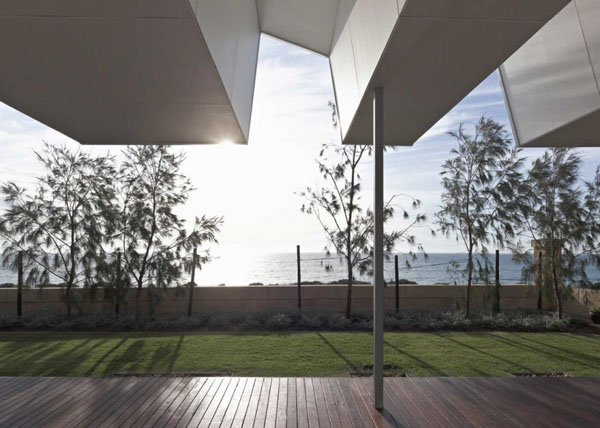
point(428, 56)
point(306, 23)
point(551, 85)
point(131, 71)
point(183, 71)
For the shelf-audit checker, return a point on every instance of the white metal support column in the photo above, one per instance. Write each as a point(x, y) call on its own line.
point(378, 248)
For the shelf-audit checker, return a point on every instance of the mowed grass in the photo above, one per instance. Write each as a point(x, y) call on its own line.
point(296, 354)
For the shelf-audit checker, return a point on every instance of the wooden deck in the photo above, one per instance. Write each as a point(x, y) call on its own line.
point(298, 402)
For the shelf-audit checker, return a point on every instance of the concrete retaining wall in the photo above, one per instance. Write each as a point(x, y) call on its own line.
point(278, 298)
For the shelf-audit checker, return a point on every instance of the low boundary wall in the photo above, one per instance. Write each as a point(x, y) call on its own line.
point(278, 298)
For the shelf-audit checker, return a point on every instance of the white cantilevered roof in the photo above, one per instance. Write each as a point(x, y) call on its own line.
point(183, 71)
point(552, 84)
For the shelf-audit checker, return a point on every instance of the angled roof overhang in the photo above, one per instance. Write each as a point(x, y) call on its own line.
point(183, 71)
point(552, 84)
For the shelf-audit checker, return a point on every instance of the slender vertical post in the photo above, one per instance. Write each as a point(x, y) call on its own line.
point(118, 285)
point(378, 248)
point(20, 284)
point(497, 290)
point(299, 278)
point(540, 282)
point(397, 283)
point(192, 283)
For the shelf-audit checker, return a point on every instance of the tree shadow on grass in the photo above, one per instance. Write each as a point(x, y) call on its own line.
point(175, 353)
point(105, 356)
point(584, 337)
point(488, 354)
point(421, 362)
point(555, 352)
point(349, 363)
point(128, 361)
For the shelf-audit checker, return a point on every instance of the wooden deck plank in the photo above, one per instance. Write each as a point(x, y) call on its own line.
point(27, 394)
point(240, 413)
point(292, 412)
point(282, 399)
point(330, 404)
point(119, 399)
point(443, 405)
point(311, 403)
point(439, 415)
point(230, 399)
point(497, 404)
point(103, 394)
point(300, 402)
point(42, 397)
point(200, 403)
point(345, 416)
point(250, 415)
point(381, 418)
point(370, 415)
point(145, 394)
point(206, 418)
point(163, 420)
point(162, 388)
point(263, 403)
point(540, 402)
point(271, 415)
point(322, 413)
point(132, 402)
point(461, 403)
point(54, 408)
point(357, 418)
point(161, 407)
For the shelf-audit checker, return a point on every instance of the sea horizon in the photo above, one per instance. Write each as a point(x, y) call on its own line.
point(280, 268)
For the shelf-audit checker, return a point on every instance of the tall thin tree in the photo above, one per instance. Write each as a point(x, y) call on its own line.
point(62, 225)
point(155, 242)
point(480, 197)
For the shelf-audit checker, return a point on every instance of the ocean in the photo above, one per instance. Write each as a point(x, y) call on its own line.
point(280, 268)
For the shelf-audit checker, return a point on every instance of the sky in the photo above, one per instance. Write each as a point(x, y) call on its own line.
point(255, 187)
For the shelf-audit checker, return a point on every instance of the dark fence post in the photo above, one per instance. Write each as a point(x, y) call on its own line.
point(299, 278)
point(397, 284)
point(118, 285)
point(192, 283)
point(540, 282)
point(497, 290)
point(20, 284)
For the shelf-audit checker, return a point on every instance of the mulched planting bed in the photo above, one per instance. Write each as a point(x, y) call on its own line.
point(171, 374)
point(541, 374)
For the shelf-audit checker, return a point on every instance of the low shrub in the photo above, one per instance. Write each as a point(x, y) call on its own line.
point(450, 320)
point(279, 322)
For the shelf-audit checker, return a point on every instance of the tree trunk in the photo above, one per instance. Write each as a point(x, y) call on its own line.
point(20, 284)
point(349, 296)
point(557, 291)
point(117, 308)
point(192, 283)
point(469, 281)
point(496, 308)
point(68, 298)
point(137, 305)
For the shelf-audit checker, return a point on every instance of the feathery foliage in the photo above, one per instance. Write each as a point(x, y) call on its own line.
point(155, 243)
point(62, 225)
point(480, 199)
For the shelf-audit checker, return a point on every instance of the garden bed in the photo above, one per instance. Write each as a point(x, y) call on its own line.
point(296, 321)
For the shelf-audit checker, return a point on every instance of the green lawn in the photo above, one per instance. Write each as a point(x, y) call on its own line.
point(296, 354)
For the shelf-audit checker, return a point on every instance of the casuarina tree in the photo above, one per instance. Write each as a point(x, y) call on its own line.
point(155, 244)
point(561, 219)
point(480, 198)
point(61, 226)
point(348, 226)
